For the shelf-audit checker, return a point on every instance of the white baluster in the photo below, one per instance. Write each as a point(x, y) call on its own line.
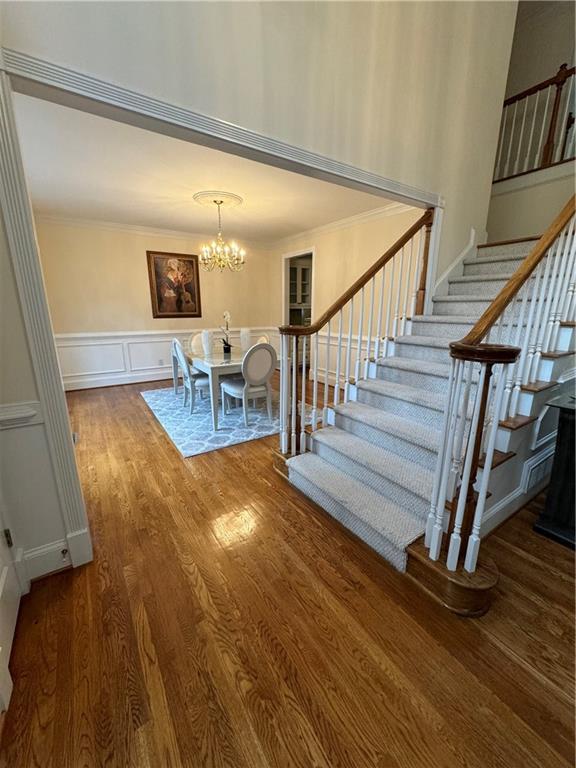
point(474, 541)
point(348, 353)
point(460, 429)
point(408, 280)
point(315, 386)
point(389, 310)
point(294, 403)
point(303, 400)
point(360, 340)
point(525, 359)
point(529, 150)
point(369, 342)
point(455, 538)
point(517, 338)
point(379, 320)
point(396, 328)
point(338, 356)
point(438, 528)
point(442, 455)
point(500, 143)
point(561, 285)
point(544, 301)
point(521, 136)
point(511, 141)
point(416, 275)
point(538, 159)
point(568, 303)
point(326, 374)
point(562, 124)
point(284, 393)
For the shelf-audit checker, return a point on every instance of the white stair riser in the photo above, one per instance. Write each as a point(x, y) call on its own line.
point(403, 408)
point(380, 484)
point(374, 540)
point(391, 442)
point(420, 352)
point(419, 379)
point(489, 289)
point(507, 249)
point(450, 331)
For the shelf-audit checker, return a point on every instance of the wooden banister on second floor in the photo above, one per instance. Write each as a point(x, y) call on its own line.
point(537, 127)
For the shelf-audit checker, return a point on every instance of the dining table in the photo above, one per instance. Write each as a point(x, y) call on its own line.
point(215, 365)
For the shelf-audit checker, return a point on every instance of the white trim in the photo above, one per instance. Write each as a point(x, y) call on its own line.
point(46, 559)
point(22, 414)
point(456, 269)
point(433, 256)
point(23, 249)
point(534, 179)
point(44, 79)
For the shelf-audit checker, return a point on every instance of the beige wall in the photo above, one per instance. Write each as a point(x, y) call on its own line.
point(525, 206)
point(341, 255)
point(409, 90)
point(543, 40)
point(97, 280)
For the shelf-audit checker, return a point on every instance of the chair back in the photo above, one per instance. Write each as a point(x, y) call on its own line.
point(259, 364)
point(264, 339)
point(245, 338)
point(182, 360)
point(195, 344)
point(206, 341)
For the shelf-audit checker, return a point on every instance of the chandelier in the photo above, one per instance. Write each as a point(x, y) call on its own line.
point(220, 253)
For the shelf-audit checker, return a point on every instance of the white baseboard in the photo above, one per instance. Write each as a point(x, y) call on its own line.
point(46, 559)
point(80, 547)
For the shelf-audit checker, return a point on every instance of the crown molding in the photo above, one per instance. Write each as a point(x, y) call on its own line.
point(45, 79)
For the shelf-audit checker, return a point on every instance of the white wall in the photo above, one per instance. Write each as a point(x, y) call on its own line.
point(409, 90)
point(527, 205)
point(543, 40)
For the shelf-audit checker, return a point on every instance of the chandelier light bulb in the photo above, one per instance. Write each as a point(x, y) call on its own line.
point(221, 254)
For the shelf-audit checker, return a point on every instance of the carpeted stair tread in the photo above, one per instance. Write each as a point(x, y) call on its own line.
point(423, 341)
point(403, 392)
point(396, 524)
point(462, 297)
point(496, 278)
point(407, 430)
point(448, 319)
point(378, 460)
point(420, 366)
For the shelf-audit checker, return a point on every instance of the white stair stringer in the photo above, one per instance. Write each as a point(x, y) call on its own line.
point(373, 468)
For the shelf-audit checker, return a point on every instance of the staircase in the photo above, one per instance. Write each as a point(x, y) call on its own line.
point(372, 463)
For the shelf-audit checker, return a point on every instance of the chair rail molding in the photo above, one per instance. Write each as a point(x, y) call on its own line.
point(53, 82)
point(18, 221)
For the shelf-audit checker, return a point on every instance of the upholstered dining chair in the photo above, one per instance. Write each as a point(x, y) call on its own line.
point(192, 382)
point(258, 365)
point(245, 339)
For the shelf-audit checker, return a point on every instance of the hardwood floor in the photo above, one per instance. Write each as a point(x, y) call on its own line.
point(227, 621)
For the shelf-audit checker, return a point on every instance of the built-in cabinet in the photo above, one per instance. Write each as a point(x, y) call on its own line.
point(300, 291)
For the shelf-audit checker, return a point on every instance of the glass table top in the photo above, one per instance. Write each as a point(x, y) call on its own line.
point(216, 359)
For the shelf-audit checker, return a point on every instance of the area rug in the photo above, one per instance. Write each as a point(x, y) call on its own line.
point(192, 434)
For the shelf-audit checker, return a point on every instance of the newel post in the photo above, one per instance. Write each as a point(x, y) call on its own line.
point(421, 293)
point(548, 151)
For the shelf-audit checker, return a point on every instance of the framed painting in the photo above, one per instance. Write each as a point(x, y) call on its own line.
point(174, 284)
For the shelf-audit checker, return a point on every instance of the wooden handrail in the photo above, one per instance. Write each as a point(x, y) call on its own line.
point(307, 330)
point(559, 79)
point(522, 274)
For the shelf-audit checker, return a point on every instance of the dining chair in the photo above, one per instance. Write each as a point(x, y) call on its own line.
point(245, 339)
point(258, 365)
point(175, 364)
point(264, 339)
point(191, 382)
point(196, 348)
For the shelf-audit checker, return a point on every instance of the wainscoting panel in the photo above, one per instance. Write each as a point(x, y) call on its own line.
point(90, 360)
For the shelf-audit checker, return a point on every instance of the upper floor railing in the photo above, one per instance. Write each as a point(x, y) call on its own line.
point(491, 366)
point(360, 325)
point(537, 127)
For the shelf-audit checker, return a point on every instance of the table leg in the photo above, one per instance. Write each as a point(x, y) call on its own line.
point(213, 379)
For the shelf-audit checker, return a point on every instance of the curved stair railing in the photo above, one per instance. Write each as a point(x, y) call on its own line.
point(394, 286)
point(499, 357)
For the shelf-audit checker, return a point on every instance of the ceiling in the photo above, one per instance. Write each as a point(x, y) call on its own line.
point(82, 166)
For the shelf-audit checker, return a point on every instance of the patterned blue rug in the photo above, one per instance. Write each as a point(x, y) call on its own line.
point(193, 434)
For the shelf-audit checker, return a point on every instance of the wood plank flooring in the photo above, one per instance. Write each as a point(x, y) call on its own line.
point(227, 621)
